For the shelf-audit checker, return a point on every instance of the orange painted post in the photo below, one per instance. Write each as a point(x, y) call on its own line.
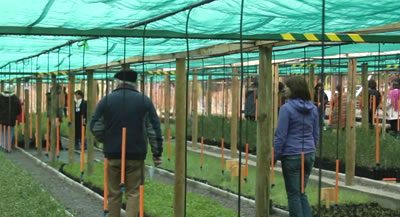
point(82, 168)
point(105, 202)
point(123, 159)
point(302, 172)
point(37, 139)
point(69, 95)
point(337, 183)
point(58, 137)
point(222, 156)
point(202, 152)
point(246, 160)
point(141, 201)
point(1, 134)
point(30, 126)
point(16, 133)
point(169, 144)
point(377, 144)
point(47, 136)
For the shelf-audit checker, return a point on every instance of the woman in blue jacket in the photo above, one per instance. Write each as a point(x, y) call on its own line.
point(297, 133)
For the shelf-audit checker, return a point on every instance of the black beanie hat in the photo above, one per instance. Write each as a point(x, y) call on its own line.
point(126, 75)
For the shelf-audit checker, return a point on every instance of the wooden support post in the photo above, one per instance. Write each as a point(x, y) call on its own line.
point(226, 96)
point(350, 123)
point(209, 95)
point(2, 83)
point(311, 82)
point(383, 103)
point(26, 111)
point(275, 95)
point(19, 88)
point(151, 88)
point(264, 132)
point(195, 125)
point(83, 87)
point(39, 115)
point(364, 109)
point(235, 114)
point(71, 116)
point(91, 103)
point(180, 163)
point(167, 101)
point(53, 115)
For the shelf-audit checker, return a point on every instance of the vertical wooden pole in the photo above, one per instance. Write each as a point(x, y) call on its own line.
point(275, 95)
point(26, 111)
point(53, 112)
point(350, 123)
point(91, 102)
point(364, 109)
point(383, 103)
point(19, 88)
point(264, 132)
point(167, 107)
point(151, 89)
point(311, 82)
point(39, 115)
point(235, 114)
point(226, 96)
point(71, 116)
point(2, 86)
point(195, 125)
point(209, 95)
point(180, 163)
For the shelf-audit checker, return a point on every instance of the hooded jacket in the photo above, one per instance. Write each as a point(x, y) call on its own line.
point(298, 128)
point(10, 108)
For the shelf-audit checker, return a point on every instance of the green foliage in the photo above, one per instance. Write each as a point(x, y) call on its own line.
point(214, 127)
point(22, 196)
point(159, 197)
point(212, 174)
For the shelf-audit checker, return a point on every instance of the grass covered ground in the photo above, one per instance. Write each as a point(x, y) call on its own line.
point(159, 197)
point(23, 196)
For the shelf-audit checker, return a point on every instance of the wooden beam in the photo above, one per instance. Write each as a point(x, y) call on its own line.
point(39, 115)
point(364, 109)
point(311, 82)
point(209, 95)
point(167, 107)
point(53, 123)
point(383, 103)
point(71, 118)
point(91, 103)
point(26, 121)
point(180, 163)
point(235, 115)
point(264, 132)
point(350, 123)
point(195, 122)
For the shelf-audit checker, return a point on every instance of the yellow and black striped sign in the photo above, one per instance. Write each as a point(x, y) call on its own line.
point(394, 66)
point(302, 65)
point(160, 72)
point(329, 37)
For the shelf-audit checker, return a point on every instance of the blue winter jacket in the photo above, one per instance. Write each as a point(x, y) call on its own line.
point(298, 128)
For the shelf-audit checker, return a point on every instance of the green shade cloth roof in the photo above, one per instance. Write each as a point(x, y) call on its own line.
point(217, 17)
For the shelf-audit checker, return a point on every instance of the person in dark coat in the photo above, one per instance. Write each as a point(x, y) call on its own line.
point(250, 103)
point(320, 99)
point(80, 117)
point(127, 108)
point(372, 92)
point(10, 108)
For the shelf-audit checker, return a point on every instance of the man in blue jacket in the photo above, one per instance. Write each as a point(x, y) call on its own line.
point(127, 107)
